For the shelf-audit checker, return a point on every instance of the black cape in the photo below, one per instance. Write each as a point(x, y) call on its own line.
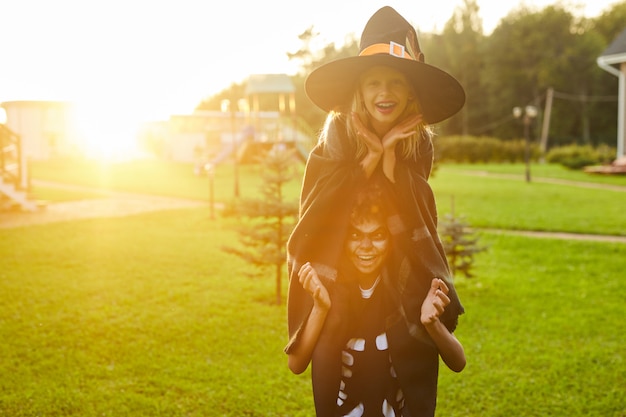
point(331, 178)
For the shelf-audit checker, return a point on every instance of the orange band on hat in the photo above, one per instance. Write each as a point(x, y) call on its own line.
point(391, 48)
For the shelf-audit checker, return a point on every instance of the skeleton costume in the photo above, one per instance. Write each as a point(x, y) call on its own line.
point(379, 338)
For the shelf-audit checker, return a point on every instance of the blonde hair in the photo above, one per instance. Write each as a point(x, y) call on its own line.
point(409, 147)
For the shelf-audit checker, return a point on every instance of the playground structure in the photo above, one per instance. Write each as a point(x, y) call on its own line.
point(32, 130)
point(245, 128)
point(13, 172)
point(276, 93)
point(247, 145)
point(215, 137)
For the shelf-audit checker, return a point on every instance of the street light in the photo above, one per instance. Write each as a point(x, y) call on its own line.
point(527, 114)
point(210, 170)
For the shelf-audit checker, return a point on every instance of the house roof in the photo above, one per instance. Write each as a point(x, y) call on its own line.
point(35, 103)
point(617, 47)
point(269, 83)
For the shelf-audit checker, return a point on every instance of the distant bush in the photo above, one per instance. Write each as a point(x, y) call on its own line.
point(580, 156)
point(481, 149)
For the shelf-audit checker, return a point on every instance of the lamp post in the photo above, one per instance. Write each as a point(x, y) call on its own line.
point(210, 170)
point(229, 106)
point(527, 114)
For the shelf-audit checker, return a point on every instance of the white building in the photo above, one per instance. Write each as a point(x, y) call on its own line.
point(46, 128)
point(613, 60)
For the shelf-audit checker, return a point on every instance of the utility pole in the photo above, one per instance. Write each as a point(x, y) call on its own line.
point(543, 144)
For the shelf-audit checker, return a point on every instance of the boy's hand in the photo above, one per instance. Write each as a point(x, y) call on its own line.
point(435, 302)
point(313, 285)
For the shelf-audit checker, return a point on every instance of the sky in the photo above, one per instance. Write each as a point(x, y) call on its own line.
point(140, 60)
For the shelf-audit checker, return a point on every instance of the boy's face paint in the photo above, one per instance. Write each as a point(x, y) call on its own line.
point(367, 246)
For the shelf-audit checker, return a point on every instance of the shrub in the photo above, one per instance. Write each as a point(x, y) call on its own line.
point(481, 149)
point(484, 149)
point(606, 153)
point(580, 156)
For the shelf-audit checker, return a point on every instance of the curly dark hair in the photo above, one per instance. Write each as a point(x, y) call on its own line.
point(368, 202)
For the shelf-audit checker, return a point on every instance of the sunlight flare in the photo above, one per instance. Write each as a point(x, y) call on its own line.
point(105, 133)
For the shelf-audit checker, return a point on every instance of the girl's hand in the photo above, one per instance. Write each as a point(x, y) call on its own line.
point(313, 285)
point(372, 143)
point(435, 302)
point(401, 131)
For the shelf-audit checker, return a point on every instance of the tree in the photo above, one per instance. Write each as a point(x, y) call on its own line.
point(611, 23)
point(266, 222)
point(608, 25)
point(516, 55)
point(462, 39)
point(309, 58)
point(214, 102)
point(578, 63)
point(460, 244)
point(532, 51)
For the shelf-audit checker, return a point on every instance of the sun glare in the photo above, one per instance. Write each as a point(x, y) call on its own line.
point(104, 134)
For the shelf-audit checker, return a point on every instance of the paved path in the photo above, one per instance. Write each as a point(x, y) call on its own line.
point(560, 235)
point(581, 184)
point(111, 204)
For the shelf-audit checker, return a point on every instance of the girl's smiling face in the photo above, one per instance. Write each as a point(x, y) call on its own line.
point(386, 93)
point(367, 246)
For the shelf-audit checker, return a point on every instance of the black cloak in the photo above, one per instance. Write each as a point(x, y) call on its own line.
point(331, 178)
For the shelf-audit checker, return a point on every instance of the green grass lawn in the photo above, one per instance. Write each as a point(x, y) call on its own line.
point(485, 201)
point(495, 202)
point(155, 177)
point(146, 316)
